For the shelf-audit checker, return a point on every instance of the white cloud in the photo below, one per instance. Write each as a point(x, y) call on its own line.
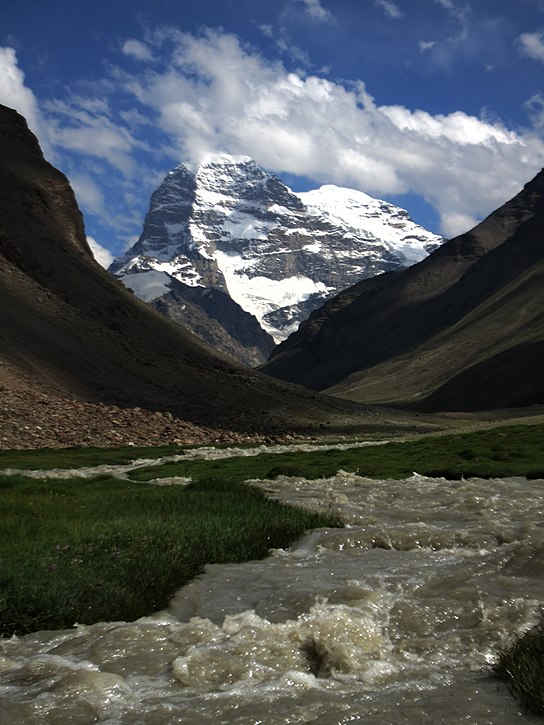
point(457, 127)
point(138, 50)
point(218, 96)
point(213, 95)
point(390, 8)
point(102, 255)
point(535, 109)
point(88, 193)
point(454, 223)
point(317, 11)
point(15, 94)
point(532, 45)
point(424, 45)
point(85, 126)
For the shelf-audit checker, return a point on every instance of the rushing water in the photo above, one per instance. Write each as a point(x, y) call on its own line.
point(394, 619)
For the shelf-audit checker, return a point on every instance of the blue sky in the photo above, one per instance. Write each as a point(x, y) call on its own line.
point(436, 105)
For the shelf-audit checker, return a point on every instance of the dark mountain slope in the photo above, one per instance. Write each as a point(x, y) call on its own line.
point(67, 326)
point(401, 336)
point(213, 316)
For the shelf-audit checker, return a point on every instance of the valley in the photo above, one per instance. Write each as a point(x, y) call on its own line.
point(354, 525)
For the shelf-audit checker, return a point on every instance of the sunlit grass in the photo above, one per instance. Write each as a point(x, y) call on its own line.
point(86, 551)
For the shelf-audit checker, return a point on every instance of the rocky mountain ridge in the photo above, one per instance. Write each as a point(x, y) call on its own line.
point(461, 330)
point(227, 224)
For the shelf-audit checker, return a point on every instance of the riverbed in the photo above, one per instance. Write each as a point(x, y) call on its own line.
point(396, 618)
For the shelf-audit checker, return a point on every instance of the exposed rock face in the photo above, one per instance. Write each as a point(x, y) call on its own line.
point(229, 225)
point(216, 318)
point(72, 335)
point(461, 330)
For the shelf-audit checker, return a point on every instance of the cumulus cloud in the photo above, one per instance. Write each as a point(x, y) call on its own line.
point(138, 50)
point(208, 93)
point(102, 255)
point(216, 95)
point(532, 45)
point(15, 94)
point(390, 9)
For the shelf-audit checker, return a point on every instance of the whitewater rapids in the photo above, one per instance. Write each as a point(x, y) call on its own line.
point(395, 619)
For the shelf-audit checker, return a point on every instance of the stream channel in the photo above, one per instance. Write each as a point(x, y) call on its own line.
point(396, 618)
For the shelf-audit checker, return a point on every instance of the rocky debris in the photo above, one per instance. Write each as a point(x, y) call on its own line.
point(32, 417)
point(41, 421)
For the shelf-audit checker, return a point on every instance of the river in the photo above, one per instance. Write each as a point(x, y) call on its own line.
point(394, 619)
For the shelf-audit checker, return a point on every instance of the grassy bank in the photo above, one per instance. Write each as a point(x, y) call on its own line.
point(108, 549)
point(47, 458)
point(505, 451)
point(86, 551)
point(508, 451)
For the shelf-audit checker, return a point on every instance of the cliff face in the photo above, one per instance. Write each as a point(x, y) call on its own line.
point(460, 330)
point(228, 225)
point(68, 328)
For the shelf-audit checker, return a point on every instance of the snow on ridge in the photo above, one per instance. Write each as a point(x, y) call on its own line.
point(227, 218)
point(245, 226)
point(261, 295)
point(328, 192)
point(386, 223)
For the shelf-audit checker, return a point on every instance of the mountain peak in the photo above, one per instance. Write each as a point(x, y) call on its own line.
point(228, 224)
point(213, 160)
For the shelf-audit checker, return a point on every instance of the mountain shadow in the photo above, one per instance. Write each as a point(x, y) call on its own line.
point(461, 330)
point(69, 327)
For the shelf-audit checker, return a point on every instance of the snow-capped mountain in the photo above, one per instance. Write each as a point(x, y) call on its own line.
point(230, 225)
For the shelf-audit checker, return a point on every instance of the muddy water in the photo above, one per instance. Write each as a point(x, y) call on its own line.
point(394, 619)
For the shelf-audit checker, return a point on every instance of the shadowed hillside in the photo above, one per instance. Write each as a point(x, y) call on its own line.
point(70, 331)
point(461, 330)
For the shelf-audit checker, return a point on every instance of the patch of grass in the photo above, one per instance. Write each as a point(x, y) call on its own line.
point(108, 549)
point(73, 551)
point(46, 458)
point(522, 666)
point(499, 452)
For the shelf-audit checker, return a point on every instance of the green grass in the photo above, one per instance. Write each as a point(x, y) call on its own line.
point(73, 551)
point(85, 551)
point(509, 451)
point(47, 458)
point(522, 666)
